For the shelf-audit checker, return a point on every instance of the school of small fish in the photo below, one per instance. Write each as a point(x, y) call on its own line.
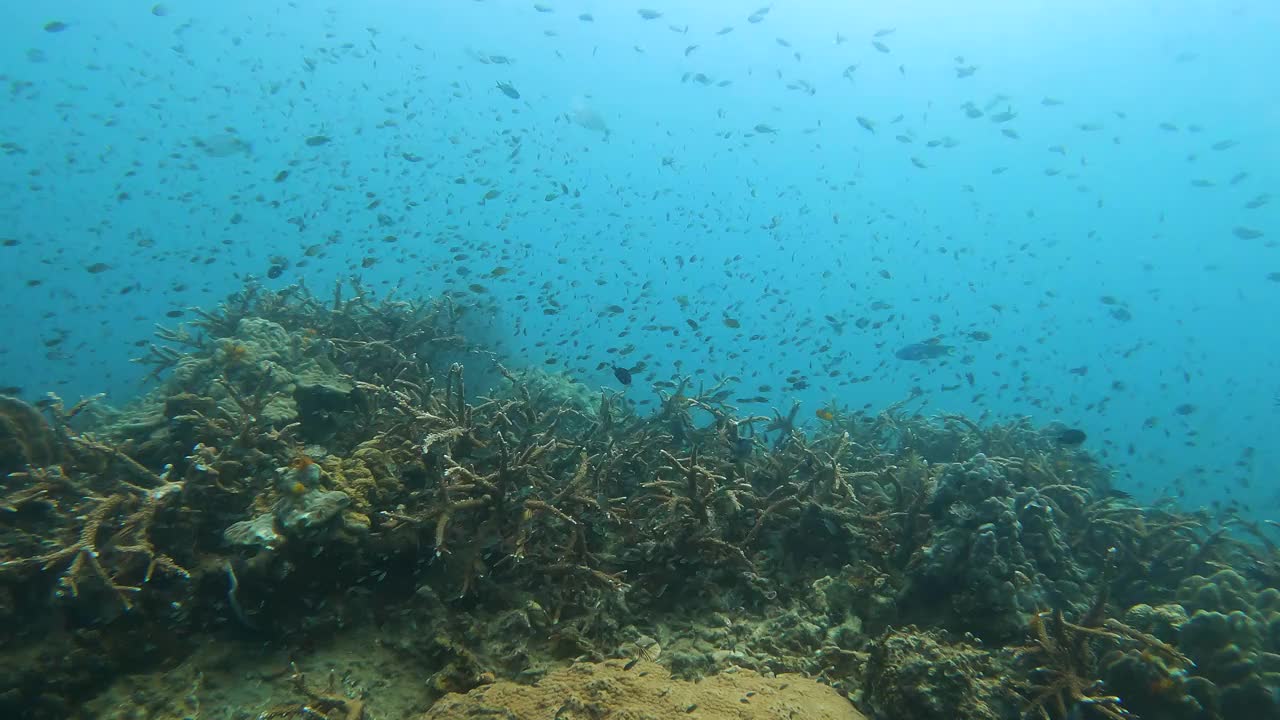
point(630, 197)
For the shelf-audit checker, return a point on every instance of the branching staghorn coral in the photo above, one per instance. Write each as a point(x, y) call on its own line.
point(113, 529)
point(1063, 660)
point(95, 540)
point(1065, 669)
point(1262, 563)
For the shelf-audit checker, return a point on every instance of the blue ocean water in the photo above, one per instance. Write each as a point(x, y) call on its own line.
point(813, 185)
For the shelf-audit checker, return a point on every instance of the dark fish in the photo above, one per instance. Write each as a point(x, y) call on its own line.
point(55, 26)
point(927, 350)
point(318, 140)
point(275, 271)
point(623, 375)
point(508, 90)
point(1071, 437)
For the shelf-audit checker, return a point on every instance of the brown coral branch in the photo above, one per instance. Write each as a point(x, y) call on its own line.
point(785, 503)
point(83, 557)
point(89, 443)
point(540, 506)
point(610, 582)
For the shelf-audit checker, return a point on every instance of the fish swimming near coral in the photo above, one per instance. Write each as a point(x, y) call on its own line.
point(623, 375)
point(927, 350)
point(1071, 437)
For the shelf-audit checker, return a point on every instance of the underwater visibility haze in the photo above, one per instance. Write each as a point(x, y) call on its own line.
point(899, 360)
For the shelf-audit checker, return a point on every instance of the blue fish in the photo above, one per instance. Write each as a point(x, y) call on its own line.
point(927, 350)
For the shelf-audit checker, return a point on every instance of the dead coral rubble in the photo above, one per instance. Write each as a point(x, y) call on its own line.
point(327, 705)
point(612, 691)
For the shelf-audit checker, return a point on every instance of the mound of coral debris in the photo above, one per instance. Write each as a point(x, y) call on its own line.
point(645, 690)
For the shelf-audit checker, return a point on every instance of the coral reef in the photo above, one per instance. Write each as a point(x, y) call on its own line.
point(308, 470)
point(1224, 628)
point(921, 675)
point(26, 440)
point(997, 551)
